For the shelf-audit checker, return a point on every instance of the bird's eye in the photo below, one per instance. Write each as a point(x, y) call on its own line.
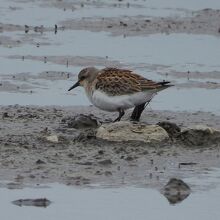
point(82, 77)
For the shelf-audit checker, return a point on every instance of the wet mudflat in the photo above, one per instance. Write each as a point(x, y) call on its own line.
point(56, 144)
point(51, 155)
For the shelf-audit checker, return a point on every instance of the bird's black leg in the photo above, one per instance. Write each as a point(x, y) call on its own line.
point(121, 113)
point(136, 114)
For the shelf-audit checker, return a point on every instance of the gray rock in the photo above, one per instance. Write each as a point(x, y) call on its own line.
point(82, 121)
point(200, 135)
point(172, 129)
point(127, 131)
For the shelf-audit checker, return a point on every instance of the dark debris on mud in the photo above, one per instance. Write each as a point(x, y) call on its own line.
point(205, 21)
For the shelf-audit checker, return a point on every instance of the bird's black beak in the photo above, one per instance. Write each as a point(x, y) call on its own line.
point(74, 86)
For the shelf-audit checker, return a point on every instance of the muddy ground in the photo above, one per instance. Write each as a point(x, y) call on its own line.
point(77, 157)
point(204, 21)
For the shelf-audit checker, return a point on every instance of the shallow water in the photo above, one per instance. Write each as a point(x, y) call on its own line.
point(172, 99)
point(146, 55)
point(115, 203)
point(186, 51)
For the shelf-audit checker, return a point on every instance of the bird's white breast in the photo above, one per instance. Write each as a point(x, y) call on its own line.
point(113, 103)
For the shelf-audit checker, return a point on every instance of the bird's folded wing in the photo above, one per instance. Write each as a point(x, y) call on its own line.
point(115, 81)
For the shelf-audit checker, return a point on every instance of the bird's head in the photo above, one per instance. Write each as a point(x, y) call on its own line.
point(85, 77)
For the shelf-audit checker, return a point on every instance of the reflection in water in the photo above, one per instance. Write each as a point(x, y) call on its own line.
point(42, 202)
point(176, 191)
point(110, 203)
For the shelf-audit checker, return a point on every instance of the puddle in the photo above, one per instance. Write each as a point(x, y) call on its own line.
point(114, 203)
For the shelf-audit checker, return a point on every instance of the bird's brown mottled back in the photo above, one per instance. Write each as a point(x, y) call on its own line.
point(115, 81)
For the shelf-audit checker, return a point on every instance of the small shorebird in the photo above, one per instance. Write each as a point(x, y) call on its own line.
point(113, 89)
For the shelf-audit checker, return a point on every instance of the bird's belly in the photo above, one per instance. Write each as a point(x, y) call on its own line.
point(113, 103)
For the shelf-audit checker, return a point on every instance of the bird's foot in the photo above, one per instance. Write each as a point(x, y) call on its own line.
point(121, 113)
point(117, 119)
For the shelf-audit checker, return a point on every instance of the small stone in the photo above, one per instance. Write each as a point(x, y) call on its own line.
point(108, 173)
point(5, 115)
point(200, 135)
point(172, 129)
point(129, 158)
point(105, 162)
point(82, 121)
point(86, 163)
point(100, 152)
point(40, 162)
point(70, 155)
point(98, 172)
point(32, 176)
point(52, 138)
